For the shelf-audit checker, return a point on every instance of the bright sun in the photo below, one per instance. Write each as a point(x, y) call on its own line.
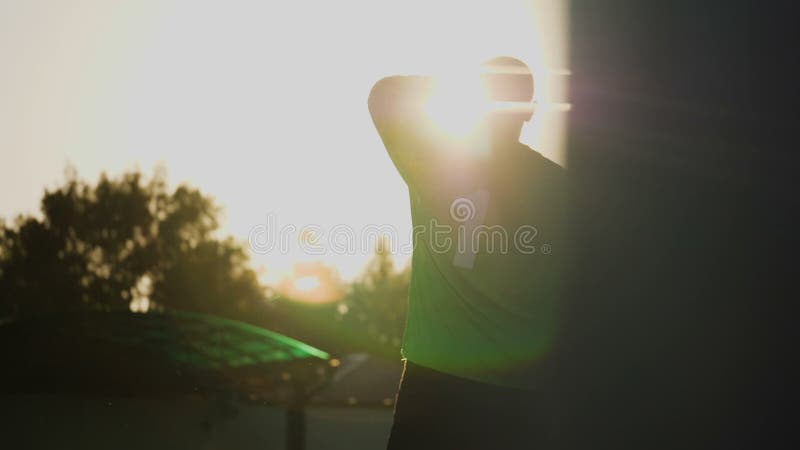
point(457, 102)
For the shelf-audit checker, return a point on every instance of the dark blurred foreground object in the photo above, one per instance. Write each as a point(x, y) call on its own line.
point(161, 354)
point(683, 145)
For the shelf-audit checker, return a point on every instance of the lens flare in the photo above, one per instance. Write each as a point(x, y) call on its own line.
point(457, 103)
point(457, 108)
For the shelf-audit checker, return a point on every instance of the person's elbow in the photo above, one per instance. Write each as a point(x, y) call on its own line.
point(380, 98)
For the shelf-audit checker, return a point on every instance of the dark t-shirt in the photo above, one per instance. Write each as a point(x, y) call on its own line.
point(489, 244)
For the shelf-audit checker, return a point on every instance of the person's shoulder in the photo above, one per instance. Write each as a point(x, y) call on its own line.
point(540, 161)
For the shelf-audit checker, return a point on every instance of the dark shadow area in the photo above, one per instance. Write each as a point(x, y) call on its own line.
point(678, 330)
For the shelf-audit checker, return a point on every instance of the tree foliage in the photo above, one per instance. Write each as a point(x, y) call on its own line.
point(370, 317)
point(130, 243)
point(377, 302)
point(121, 241)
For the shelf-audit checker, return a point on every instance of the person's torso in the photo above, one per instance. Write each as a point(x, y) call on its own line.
point(487, 269)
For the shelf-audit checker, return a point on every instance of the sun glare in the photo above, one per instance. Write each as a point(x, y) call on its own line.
point(457, 103)
point(305, 284)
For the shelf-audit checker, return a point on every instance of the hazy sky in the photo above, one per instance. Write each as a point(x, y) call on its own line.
point(260, 104)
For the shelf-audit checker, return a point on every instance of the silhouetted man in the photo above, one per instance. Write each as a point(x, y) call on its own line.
point(488, 256)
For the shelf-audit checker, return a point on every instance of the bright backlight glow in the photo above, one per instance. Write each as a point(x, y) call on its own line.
point(267, 113)
point(306, 283)
point(457, 103)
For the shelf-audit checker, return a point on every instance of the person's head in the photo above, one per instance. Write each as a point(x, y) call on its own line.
point(510, 82)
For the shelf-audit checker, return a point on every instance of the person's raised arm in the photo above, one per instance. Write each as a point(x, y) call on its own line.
point(398, 100)
point(397, 107)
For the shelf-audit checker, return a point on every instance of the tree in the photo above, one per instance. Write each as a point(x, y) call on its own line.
point(123, 243)
point(370, 317)
point(373, 313)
